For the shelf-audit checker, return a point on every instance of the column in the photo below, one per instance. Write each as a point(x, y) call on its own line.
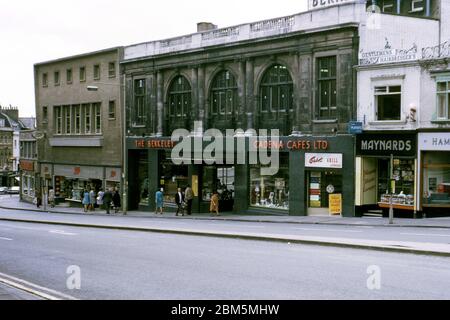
point(160, 103)
point(240, 121)
point(250, 98)
point(201, 96)
point(194, 115)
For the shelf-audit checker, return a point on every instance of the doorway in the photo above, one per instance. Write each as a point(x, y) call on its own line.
point(320, 185)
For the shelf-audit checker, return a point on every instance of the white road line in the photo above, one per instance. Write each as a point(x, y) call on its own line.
point(6, 239)
point(425, 234)
point(329, 230)
point(61, 232)
point(35, 289)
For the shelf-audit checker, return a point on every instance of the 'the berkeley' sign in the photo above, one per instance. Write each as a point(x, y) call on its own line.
point(319, 4)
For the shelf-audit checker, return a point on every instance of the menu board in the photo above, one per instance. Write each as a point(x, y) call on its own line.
point(314, 190)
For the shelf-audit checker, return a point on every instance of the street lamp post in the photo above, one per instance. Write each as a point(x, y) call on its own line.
point(124, 144)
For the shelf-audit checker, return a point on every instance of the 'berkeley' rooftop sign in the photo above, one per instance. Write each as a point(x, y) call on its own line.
point(319, 4)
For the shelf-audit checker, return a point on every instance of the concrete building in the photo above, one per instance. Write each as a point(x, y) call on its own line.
point(295, 74)
point(78, 108)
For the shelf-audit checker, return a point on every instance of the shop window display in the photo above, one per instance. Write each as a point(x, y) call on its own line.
point(436, 179)
point(270, 191)
point(403, 175)
point(172, 178)
point(220, 179)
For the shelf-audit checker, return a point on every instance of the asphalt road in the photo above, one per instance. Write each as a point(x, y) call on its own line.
point(410, 234)
point(139, 265)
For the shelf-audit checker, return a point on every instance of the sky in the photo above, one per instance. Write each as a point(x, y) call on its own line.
point(37, 31)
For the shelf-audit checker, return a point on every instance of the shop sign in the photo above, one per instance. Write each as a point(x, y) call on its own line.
point(324, 160)
point(26, 165)
point(335, 201)
point(79, 172)
point(386, 144)
point(388, 55)
point(113, 174)
point(434, 141)
point(320, 4)
point(154, 144)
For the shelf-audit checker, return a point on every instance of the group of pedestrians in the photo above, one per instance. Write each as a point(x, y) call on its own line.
point(103, 199)
point(184, 200)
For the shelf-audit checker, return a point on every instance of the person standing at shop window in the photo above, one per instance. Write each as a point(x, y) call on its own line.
point(107, 199)
point(179, 200)
point(116, 200)
point(100, 198)
point(188, 197)
point(159, 200)
point(92, 200)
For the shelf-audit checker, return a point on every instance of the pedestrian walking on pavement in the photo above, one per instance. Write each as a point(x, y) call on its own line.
point(86, 200)
point(214, 206)
point(189, 197)
point(38, 199)
point(51, 197)
point(116, 200)
point(159, 201)
point(107, 199)
point(179, 200)
point(92, 200)
point(100, 198)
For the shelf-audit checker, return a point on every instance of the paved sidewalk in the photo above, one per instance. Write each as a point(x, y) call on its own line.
point(14, 203)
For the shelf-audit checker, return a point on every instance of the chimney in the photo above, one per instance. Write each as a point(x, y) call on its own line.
point(12, 112)
point(205, 26)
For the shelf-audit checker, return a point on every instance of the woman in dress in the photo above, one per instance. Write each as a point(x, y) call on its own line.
point(214, 206)
point(86, 200)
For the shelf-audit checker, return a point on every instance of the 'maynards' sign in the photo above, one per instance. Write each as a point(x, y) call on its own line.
point(386, 144)
point(318, 4)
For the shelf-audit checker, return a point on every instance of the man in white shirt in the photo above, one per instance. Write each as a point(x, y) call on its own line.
point(179, 200)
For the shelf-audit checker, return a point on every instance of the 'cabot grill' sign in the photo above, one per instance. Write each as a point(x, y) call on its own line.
point(386, 144)
point(319, 4)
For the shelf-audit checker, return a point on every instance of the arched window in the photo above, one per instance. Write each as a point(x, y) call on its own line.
point(179, 102)
point(277, 90)
point(223, 100)
point(276, 99)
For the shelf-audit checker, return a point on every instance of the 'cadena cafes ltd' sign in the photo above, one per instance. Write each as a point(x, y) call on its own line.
point(319, 4)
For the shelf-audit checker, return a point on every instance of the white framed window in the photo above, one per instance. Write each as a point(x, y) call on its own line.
point(67, 120)
point(388, 103)
point(443, 99)
point(417, 6)
point(77, 115)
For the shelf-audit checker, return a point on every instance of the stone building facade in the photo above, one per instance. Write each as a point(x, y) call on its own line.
point(79, 114)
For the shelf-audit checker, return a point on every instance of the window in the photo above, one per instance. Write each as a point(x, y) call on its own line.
point(223, 96)
point(179, 98)
point(112, 110)
point(82, 74)
point(97, 72)
point(45, 80)
point(327, 88)
point(67, 121)
point(87, 118)
point(58, 120)
point(44, 114)
point(277, 91)
point(140, 115)
point(443, 100)
point(77, 114)
point(2, 123)
point(69, 76)
point(56, 78)
point(112, 69)
point(98, 117)
point(417, 6)
point(388, 101)
point(270, 191)
point(388, 6)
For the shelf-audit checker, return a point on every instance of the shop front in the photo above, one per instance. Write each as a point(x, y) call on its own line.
point(70, 181)
point(309, 170)
point(434, 153)
point(386, 166)
point(27, 180)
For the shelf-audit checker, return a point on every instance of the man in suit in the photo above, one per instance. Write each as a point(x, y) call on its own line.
point(189, 196)
point(179, 200)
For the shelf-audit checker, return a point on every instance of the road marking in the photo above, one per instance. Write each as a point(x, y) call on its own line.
point(62, 232)
point(6, 239)
point(425, 234)
point(35, 289)
point(329, 230)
